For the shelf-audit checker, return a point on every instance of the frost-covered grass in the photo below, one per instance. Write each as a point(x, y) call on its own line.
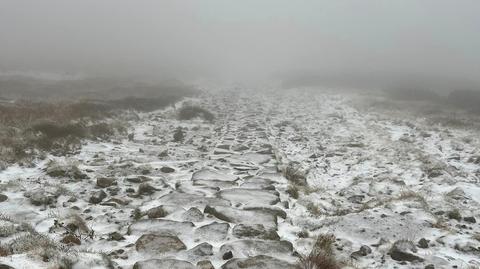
point(29, 127)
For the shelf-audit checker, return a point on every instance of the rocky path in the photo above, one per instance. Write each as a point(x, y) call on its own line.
point(253, 189)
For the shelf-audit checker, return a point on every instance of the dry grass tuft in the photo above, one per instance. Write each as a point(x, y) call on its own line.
point(321, 256)
point(293, 191)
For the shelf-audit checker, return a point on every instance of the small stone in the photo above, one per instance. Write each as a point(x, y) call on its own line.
point(4, 266)
point(163, 154)
point(167, 169)
point(97, 197)
point(356, 199)
point(71, 240)
point(3, 198)
point(138, 179)
point(146, 188)
point(105, 182)
point(403, 250)
point(227, 255)
point(203, 249)
point(72, 227)
point(130, 190)
point(116, 236)
point(470, 219)
point(205, 265)
point(430, 266)
point(363, 251)
point(303, 234)
point(454, 214)
point(156, 212)
point(422, 243)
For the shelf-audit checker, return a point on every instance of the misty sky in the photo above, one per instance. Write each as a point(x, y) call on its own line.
point(244, 39)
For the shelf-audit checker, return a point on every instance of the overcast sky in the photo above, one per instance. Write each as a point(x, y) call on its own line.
point(244, 39)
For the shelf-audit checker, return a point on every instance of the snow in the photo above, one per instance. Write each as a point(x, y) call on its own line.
point(368, 179)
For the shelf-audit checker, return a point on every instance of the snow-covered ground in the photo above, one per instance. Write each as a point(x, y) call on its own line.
point(396, 192)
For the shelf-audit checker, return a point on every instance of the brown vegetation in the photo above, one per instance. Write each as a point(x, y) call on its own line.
point(29, 128)
point(321, 256)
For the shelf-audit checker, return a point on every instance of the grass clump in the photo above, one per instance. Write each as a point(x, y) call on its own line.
point(321, 256)
point(314, 209)
point(293, 191)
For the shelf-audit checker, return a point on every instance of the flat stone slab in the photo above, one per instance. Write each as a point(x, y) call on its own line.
point(232, 215)
point(214, 231)
point(255, 158)
point(215, 183)
point(160, 226)
point(158, 244)
point(163, 264)
point(253, 247)
point(209, 174)
point(258, 262)
point(249, 197)
point(187, 200)
point(258, 183)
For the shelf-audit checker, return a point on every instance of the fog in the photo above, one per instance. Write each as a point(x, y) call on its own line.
point(369, 43)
